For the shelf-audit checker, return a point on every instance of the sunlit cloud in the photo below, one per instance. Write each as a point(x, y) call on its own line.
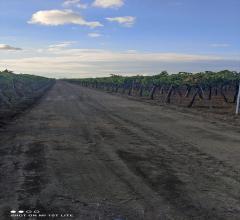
point(75, 3)
point(62, 61)
point(108, 3)
point(61, 45)
point(127, 21)
point(61, 17)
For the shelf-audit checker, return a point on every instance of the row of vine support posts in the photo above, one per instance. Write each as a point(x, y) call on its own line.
point(204, 85)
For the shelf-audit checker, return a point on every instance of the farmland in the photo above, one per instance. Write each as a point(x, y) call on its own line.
point(19, 91)
point(206, 90)
point(96, 155)
point(135, 113)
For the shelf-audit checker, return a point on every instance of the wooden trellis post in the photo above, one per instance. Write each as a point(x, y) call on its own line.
point(238, 100)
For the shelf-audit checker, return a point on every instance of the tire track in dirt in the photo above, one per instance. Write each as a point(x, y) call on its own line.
point(205, 166)
point(89, 141)
point(87, 152)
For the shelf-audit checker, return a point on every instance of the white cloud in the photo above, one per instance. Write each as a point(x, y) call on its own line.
point(108, 3)
point(75, 3)
point(220, 45)
point(60, 45)
point(8, 47)
point(61, 17)
point(127, 21)
point(100, 55)
point(94, 35)
point(69, 62)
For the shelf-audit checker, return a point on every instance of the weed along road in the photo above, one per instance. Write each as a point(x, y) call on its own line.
point(93, 155)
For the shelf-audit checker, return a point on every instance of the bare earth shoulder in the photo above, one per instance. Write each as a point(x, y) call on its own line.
point(101, 156)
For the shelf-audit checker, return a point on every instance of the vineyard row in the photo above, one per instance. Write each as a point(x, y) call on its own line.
point(187, 89)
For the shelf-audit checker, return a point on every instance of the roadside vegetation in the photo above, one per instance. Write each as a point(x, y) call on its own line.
point(19, 91)
point(204, 89)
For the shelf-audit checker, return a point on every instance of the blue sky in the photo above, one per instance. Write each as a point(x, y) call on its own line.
point(82, 38)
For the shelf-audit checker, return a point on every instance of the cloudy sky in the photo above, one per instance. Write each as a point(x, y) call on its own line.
point(83, 38)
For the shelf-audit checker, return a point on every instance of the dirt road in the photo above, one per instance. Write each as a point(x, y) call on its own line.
point(99, 156)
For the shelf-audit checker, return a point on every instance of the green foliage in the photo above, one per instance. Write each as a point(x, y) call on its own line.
point(15, 87)
point(207, 78)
